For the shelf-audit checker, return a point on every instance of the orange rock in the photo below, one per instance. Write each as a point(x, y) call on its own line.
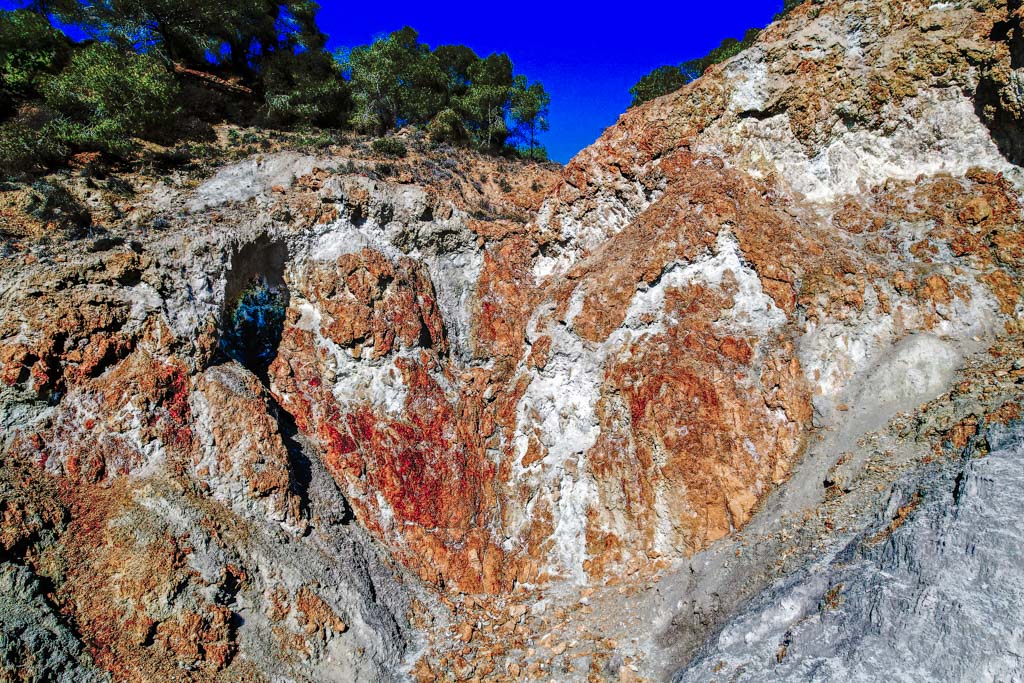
point(1006, 290)
point(975, 211)
point(936, 289)
point(315, 615)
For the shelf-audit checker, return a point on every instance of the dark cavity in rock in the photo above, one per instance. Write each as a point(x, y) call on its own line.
point(257, 300)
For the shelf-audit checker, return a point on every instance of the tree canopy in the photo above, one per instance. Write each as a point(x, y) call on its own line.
point(30, 50)
point(666, 79)
point(661, 81)
point(398, 80)
point(530, 104)
point(131, 78)
point(236, 32)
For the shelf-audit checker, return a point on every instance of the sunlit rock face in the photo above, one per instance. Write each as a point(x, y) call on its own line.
point(574, 435)
point(647, 355)
point(810, 626)
point(277, 436)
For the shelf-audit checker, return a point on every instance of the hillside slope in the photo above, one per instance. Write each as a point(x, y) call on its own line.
point(323, 416)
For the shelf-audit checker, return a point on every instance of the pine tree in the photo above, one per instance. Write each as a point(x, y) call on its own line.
point(395, 81)
point(530, 105)
point(487, 99)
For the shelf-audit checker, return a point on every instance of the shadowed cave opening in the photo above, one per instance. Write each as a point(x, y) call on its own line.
point(256, 300)
point(996, 102)
point(254, 325)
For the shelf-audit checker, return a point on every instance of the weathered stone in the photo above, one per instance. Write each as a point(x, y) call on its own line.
point(628, 371)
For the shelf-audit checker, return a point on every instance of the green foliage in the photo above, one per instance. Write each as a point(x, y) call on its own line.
point(447, 126)
point(486, 100)
point(661, 81)
point(666, 79)
point(234, 32)
point(255, 325)
point(30, 49)
point(389, 147)
point(106, 97)
point(788, 6)
point(530, 106)
point(163, 68)
point(730, 47)
point(397, 81)
point(394, 81)
point(303, 88)
point(29, 143)
point(537, 153)
point(455, 61)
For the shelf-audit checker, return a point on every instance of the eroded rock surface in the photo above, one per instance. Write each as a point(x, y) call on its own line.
point(506, 420)
point(915, 596)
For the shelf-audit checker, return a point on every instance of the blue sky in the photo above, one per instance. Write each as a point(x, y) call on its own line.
point(587, 55)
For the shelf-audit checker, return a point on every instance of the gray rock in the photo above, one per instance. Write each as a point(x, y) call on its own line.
point(941, 598)
point(35, 643)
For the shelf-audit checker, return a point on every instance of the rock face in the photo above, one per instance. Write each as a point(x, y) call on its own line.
point(916, 597)
point(298, 412)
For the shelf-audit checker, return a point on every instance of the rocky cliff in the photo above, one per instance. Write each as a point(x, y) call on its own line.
point(683, 407)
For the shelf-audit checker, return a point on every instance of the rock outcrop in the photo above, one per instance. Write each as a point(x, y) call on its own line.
point(913, 597)
point(303, 418)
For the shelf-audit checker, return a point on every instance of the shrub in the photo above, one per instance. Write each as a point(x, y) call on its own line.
point(728, 48)
point(661, 81)
point(447, 127)
point(30, 49)
point(254, 326)
point(107, 97)
point(29, 142)
point(788, 6)
point(666, 79)
point(389, 147)
point(538, 153)
point(303, 88)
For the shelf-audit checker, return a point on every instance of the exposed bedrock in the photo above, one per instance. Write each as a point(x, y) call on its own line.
point(286, 433)
point(919, 594)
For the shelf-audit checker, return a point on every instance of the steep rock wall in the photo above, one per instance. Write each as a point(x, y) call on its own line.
point(576, 382)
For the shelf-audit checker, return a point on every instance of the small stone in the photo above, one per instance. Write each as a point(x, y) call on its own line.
point(462, 669)
point(976, 210)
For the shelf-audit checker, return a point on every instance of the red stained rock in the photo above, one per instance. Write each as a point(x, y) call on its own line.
point(504, 294)
point(370, 301)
